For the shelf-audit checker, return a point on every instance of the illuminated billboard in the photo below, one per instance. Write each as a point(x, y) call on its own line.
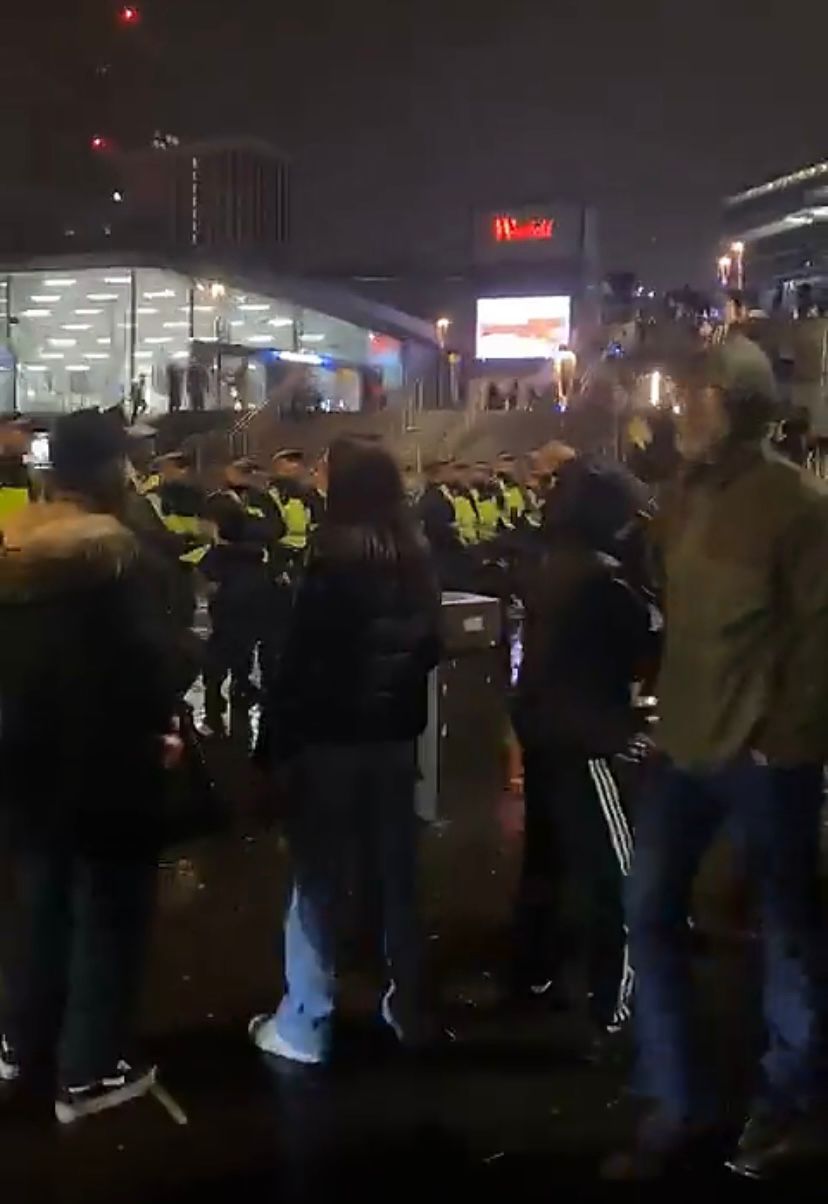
point(521, 328)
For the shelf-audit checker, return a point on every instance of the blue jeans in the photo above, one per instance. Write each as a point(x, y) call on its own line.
point(775, 815)
point(348, 796)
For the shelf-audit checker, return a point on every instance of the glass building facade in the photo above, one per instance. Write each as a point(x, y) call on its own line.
point(76, 338)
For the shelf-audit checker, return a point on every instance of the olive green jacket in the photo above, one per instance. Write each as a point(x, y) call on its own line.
point(745, 659)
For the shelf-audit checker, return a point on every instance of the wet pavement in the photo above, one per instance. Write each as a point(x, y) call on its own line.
point(507, 1104)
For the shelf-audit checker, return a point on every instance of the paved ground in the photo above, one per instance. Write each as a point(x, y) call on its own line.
point(507, 1106)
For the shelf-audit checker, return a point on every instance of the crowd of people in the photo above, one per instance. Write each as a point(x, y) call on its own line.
point(712, 585)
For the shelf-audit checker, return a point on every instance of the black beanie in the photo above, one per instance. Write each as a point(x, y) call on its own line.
point(83, 445)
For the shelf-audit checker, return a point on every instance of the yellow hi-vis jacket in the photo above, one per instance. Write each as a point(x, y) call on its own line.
point(466, 521)
point(12, 499)
point(296, 517)
point(197, 531)
point(514, 503)
point(489, 514)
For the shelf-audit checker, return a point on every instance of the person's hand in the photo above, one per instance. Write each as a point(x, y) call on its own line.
point(172, 750)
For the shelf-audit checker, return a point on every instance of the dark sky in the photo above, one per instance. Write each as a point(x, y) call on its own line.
point(402, 116)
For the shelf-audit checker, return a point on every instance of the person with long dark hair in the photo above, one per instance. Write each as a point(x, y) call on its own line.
point(344, 711)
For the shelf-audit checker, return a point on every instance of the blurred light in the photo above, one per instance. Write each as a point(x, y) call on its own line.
point(175, 325)
point(98, 142)
point(443, 323)
point(218, 290)
point(159, 338)
point(129, 15)
point(738, 248)
point(52, 355)
point(117, 196)
point(60, 281)
point(34, 367)
point(299, 357)
point(146, 309)
point(104, 341)
point(77, 368)
point(35, 313)
point(278, 322)
point(101, 296)
point(96, 355)
point(312, 338)
point(76, 326)
point(157, 294)
point(202, 309)
point(259, 338)
point(255, 307)
point(117, 280)
point(63, 342)
point(655, 388)
point(83, 313)
point(40, 297)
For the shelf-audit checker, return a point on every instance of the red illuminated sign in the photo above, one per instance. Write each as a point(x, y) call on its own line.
point(531, 229)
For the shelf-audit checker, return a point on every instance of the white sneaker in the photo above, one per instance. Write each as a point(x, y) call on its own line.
point(266, 1037)
point(9, 1068)
point(126, 1084)
point(388, 1016)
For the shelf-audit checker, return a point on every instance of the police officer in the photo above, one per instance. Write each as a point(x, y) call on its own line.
point(15, 484)
point(514, 500)
point(180, 505)
point(466, 517)
point(245, 485)
point(291, 495)
point(236, 569)
point(492, 518)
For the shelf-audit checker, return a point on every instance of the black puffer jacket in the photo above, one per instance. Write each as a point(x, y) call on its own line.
point(364, 636)
point(87, 689)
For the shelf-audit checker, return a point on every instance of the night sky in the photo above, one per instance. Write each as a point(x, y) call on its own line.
point(401, 117)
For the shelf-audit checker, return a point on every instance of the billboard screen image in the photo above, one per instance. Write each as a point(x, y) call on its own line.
point(521, 328)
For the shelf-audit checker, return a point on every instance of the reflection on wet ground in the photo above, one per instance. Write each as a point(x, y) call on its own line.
point(507, 1104)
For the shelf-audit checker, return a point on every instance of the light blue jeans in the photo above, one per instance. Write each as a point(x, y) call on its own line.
point(347, 796)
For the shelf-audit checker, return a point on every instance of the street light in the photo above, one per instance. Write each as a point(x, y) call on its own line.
point(738, 250)
point(725, 263)
point(442, 326)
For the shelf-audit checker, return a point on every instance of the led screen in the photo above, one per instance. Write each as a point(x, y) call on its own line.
point(521, 328)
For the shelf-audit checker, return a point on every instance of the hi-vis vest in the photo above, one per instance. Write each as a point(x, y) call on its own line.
point(466, 522)
point(12, 499)
point(190, 526)
point(490, 515)
point(297, 520)
point(250, 510)
point(534, 508)
point(514, 503)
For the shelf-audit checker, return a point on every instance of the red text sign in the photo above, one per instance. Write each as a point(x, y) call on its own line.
point(531, 229)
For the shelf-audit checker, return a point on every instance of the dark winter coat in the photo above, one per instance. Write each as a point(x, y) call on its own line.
point(363, 638)
point(87, 668)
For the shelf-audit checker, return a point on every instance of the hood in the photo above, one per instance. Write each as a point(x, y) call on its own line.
point(57, 547)
point(593, 501)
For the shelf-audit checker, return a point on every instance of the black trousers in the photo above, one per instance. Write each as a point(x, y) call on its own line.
point(577, 851)
point(227, 655)
point(76, 962)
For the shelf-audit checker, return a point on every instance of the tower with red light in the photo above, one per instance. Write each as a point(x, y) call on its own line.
point(129, 14)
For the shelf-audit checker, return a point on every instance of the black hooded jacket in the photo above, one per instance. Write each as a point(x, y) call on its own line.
point(87, 683)
point(587, 632)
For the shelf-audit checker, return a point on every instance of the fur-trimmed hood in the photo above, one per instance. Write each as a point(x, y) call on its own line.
point(50, 548)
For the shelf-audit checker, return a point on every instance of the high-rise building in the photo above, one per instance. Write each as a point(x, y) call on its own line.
point(227, 194)
point(776, 234)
